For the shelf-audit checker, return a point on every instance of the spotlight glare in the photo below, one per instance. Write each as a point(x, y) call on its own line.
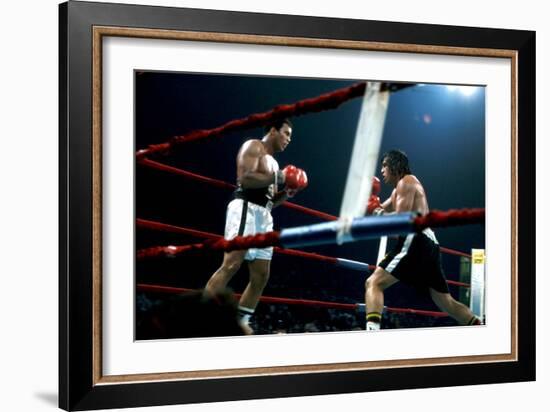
point(467, 90)
point(464, 90)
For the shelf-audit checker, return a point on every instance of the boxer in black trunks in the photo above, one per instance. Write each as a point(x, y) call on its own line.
point(416, 259)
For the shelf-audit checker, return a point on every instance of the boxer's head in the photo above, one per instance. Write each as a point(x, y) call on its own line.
point(280, 132)
point(395, 165)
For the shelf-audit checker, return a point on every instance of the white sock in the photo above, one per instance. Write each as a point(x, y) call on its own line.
point(245, 314)
point(373, 325)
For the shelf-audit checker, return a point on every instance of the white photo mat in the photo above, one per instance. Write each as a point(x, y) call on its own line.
point(122, 355)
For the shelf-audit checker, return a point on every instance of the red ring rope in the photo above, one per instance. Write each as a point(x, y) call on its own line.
point(268, 239)
point(266, 299)
point(149, 224)
point(299, 302)
point(454, 252)
point(455, 283)
point(452, 217)
point(316, 104)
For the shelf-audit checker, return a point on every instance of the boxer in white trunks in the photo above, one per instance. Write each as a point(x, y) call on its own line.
point(249, 213)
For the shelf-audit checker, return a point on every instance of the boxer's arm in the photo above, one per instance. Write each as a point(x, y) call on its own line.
point(387, 205)
point(248, 161)
point(374, 207)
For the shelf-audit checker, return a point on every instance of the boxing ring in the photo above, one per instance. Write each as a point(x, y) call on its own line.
point(287, 240)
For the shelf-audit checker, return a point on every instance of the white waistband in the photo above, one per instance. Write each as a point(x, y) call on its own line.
point(430, 233)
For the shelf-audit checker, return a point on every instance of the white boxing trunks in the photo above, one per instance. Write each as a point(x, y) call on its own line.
point(244, 218)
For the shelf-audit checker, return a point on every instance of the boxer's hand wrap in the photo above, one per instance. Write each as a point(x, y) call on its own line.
point(278, 179)
point(377, 212)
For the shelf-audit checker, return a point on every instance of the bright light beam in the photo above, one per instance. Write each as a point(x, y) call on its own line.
point(464, 90)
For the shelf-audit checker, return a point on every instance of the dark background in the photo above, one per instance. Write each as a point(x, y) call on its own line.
point(441, 130)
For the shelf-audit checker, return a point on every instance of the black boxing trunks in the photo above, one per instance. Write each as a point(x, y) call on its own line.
point(259, 196)
point(416, 260)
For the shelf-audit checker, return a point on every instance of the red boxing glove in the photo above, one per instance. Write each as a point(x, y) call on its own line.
point(295, 180)
point(376, 187)
point(374, 206)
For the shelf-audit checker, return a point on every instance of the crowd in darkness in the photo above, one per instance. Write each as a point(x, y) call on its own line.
point(294, 279)
point(294, 319)
point(283, 318)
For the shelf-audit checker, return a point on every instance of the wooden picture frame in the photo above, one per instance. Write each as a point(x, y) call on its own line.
point(83, 26)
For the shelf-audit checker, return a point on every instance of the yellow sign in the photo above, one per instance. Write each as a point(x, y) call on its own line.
point(478, 256)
